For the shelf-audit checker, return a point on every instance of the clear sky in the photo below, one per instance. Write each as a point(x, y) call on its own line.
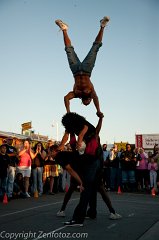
point(35, 76)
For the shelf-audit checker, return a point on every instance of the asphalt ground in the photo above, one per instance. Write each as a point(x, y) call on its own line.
point(36, 218)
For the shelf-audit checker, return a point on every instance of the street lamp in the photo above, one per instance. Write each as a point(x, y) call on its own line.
point(55, 124)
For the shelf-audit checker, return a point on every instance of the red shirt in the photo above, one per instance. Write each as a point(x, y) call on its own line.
point(25, 160)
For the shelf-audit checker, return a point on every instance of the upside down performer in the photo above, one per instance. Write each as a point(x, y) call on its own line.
point(83, 87)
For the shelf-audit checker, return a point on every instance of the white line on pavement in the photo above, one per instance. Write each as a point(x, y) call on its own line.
point(28, 209)
point(112, 225)
point(50, 233)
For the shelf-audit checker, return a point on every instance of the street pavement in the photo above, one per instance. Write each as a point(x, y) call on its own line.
point(35, 218)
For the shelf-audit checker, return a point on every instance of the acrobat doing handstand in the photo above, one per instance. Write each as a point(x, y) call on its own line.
point(83, 87)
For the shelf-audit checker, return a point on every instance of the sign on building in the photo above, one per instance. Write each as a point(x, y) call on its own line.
point(26, 126)
point(147, 141)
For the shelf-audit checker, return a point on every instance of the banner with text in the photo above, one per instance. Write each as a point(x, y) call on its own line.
point(147, 141)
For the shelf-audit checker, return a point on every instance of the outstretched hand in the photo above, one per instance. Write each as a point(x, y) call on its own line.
point(100, 114)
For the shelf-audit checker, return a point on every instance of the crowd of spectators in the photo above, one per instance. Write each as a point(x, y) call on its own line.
point(27, 170)
point(131, 169)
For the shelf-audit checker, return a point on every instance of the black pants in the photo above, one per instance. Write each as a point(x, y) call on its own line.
point(99, 186)
point(89, 173)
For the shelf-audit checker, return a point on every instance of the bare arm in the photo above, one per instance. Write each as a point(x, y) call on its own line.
point(81, 135)
point(63, 141)
point(32, 154)
point(96, 102)
point(74, 174)
point(99, 124)
point(67, 99)
point(29, 151)
point(43, 154)
point(22, 152)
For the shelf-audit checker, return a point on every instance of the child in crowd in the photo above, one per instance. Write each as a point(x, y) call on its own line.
point(153, 167)
point(18, 189)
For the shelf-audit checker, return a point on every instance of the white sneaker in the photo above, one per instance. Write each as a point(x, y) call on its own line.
point(104, 21)
point(62, 25)
point(60, 214)
point(115, 216)
point(27, 195)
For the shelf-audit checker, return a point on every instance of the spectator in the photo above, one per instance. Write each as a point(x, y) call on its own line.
point(12, 153)
point(152, 167)
point(49, 144)
point(106, 167)
point(128, 164)
point(142, 174)
point(50, 171)
point(4, 164)
point(37, 168)
point(115, 170)
point(24, 166)
point(156, 158)
point(18, 189)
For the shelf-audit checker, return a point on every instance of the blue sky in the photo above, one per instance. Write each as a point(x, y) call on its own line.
point(35, 76)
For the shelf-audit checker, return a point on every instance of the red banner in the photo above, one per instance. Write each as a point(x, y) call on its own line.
point(139, 141)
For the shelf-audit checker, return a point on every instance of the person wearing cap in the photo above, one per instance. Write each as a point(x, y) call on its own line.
point(83, 87)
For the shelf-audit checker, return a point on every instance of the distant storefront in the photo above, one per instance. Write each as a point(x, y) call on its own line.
point(18, 138)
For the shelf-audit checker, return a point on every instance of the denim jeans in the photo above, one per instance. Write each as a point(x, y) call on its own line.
point(128, 176)
point(88, 63)
point(153, 179)
point(115, 178)
point(10, 180)
point(37, 179)
point(65, 180)
point(3, 185)
point(89, 174)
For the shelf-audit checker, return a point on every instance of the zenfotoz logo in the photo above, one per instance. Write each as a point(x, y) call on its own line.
point(41, 235)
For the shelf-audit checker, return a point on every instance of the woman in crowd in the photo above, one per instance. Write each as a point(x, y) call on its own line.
point(142, 173)
point(37, 168)
point(50, 171)
point(24, 166)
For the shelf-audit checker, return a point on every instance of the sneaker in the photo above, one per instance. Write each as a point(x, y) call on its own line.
point(104, 21)
point(115, 216)
point(73, 223)
point(90, 217)
point(27, 195)
point(62, 25)
point(10, 196)
point(51, 193)
point(60, 214)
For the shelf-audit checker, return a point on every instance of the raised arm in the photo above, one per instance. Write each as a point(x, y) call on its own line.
point(99, 124)
point(67, 99)
point(96, 102)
